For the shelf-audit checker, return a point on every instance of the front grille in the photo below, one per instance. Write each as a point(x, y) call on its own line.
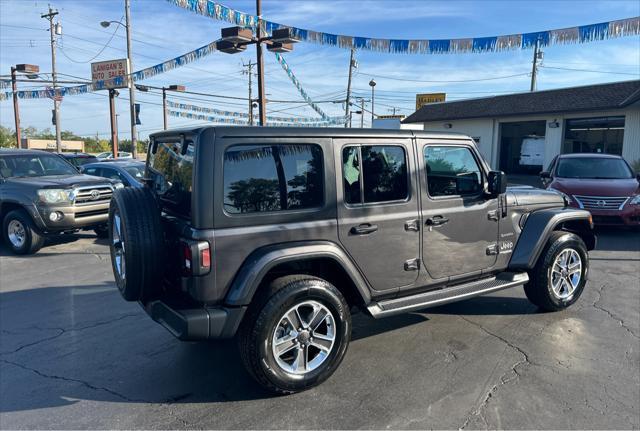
point(93, 195)
point(601, 202)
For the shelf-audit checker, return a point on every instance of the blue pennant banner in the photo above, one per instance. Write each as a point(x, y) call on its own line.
point(233, 114)
point(239, 122)
point(148, 72)
point(581, 34)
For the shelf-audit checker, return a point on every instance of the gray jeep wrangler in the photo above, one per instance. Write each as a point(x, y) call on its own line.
point(274, 235)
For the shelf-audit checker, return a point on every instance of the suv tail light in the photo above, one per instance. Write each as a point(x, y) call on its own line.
point(196, 257)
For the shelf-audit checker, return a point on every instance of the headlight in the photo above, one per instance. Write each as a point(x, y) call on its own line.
point(55, 196)
point(118, 186)
point(635, 200)
point(567, 198)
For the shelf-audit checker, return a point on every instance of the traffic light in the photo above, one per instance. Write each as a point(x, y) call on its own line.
point(53, 117)
point(137, 110)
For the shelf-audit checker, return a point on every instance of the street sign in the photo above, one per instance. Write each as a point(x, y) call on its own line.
point(426, 98)
point(114, 73)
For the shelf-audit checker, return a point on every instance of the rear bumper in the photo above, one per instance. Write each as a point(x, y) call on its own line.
point(192, 324)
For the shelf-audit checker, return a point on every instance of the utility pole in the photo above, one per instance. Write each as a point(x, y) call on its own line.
point(361, 113)
point(114, 122)
point(164, 108)
point(132, 95)
point(54, 76)
point(537, 55)
point(261, 98)
point(352, 65)
point(16, 112)
point(249, 72)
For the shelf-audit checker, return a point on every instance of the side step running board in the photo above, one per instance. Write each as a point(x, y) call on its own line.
point(448, 294)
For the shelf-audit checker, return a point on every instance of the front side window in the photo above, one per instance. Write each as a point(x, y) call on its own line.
point(264, 178)
point(374, 174)
point(451, 171)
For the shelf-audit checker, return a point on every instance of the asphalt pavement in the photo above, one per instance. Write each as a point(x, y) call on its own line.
point(74, 354)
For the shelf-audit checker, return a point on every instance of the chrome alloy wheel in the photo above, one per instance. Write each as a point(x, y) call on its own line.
point(16, 233)
point(118, 245)
point(566, 273)
point(304, 337)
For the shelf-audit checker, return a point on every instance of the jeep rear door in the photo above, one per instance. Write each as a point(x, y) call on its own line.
point(460, 220)
point(378, 209)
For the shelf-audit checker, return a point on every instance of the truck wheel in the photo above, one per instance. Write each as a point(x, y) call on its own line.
point(135, 242)
point(296, 334)
point(559, 277)
point(20, 233)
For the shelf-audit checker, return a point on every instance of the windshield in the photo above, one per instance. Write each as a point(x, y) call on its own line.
point(136, 172)
point(593, 167)
point(31, 165)
point(80, 161)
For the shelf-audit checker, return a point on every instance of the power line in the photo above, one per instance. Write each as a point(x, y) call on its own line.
point(591, 71)
point(444, 81)
point(99, 52)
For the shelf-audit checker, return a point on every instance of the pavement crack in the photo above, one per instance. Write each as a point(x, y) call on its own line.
point(620, 321)
point(479, 410)
point(71, 380)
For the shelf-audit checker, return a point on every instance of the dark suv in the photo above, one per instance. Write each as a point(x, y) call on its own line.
point(42, 194)
point(275, 235)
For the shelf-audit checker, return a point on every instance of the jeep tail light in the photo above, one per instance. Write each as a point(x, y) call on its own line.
point(205, 257)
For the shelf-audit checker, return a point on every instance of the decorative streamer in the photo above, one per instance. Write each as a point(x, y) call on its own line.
point(148, 72)
point(233, 114)
point(303, 93)
point(236, 121)
point(582, 34)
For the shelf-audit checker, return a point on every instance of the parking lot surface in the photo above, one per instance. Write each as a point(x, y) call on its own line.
point(74, 355)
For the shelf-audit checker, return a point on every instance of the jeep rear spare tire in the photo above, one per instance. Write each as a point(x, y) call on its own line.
point(136, 242)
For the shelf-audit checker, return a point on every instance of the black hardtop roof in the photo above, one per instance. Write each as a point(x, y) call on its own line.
point(292, 132)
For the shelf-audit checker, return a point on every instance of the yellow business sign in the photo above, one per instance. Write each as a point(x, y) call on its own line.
point(426, 98)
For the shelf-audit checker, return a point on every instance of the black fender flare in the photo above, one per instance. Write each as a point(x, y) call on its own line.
point(258, 264)
point(537, 228)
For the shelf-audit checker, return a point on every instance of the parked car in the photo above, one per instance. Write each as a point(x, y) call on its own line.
point(42, 194)
point(273, 235)
point(129, 172)
point(603, 184)
point(79, 159)
point(109, 155)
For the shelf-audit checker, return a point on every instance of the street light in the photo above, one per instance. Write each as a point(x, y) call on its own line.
point(177, 88)
point(235, 39)
point(372, 84)
point(30, 70)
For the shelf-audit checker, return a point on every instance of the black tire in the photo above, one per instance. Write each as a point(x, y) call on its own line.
point(33, 240)
point(257, 331)
point(102, 232)
point(139, 226)
point(539, 289)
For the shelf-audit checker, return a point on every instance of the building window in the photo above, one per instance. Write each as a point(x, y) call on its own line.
point(263, 178)
point(383, 173)
point(594, 135)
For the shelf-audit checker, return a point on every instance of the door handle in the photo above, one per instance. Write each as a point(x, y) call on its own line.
point(437, 220)
point(364, 229)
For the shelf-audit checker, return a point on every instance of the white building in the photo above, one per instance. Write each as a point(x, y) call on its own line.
point(594, 118)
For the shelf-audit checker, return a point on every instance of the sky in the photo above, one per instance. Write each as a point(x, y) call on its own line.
point(162, 31)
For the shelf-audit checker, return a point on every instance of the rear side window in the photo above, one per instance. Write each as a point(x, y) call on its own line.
point(374, 174)
point(171, 174)
point(264, 178)
point(451, 171)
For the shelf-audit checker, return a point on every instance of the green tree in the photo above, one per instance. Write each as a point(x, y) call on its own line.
point(7, 138)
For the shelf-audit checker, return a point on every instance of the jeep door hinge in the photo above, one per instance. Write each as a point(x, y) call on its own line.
point(492, 249)
point(412, 225)
point(412, 264)
point(493, 215)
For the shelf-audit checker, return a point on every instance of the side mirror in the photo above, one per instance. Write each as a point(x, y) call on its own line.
point(497, 183)
point(545, 175)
